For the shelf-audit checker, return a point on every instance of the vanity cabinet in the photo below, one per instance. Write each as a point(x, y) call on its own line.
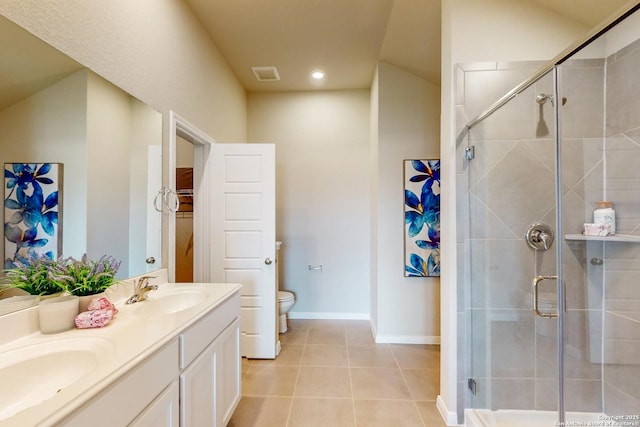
point(210, 379)
point(163, 411)
point(138, 391)
point(193, 380)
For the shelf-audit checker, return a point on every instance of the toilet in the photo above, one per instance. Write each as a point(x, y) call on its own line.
point(285, 302)
point(286, 299)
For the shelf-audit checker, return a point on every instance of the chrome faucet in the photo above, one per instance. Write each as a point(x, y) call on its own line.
point(141, 289)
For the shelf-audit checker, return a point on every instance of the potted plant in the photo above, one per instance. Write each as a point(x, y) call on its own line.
point(32, 276)
point(84, 277)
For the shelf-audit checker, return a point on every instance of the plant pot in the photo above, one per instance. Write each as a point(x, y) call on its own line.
point(85, 300)
point(58, 314)
point(49, 296)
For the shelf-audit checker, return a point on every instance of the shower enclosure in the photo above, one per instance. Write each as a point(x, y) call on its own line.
point(549, 319)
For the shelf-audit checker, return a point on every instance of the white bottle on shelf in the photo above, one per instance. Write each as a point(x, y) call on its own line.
point(604, 214)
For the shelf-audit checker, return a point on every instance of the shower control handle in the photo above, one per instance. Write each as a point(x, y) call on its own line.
point(534, 285)
point(539, 236)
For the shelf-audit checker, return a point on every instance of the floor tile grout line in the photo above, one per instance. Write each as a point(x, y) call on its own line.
point(295, 385)
point(353, 400)
point(404, 379)
point(398, 355)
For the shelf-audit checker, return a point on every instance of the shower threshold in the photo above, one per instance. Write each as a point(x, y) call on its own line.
point(524, 418)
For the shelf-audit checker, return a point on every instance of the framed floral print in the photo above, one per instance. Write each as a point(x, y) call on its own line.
point(32, 211)
point(421, 218)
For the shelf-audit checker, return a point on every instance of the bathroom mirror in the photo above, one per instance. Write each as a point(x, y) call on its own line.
point(54, 110)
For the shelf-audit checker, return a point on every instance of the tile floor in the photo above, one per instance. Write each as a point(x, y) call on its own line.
point(331, 373)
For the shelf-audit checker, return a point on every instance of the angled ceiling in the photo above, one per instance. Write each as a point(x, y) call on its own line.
point(587, 12)
point(28, 64)
point(344, 38)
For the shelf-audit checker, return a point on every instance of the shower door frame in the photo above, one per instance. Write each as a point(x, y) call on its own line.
point(554, 67)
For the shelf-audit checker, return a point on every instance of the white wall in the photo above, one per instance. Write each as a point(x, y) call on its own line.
point(50, 127)
point(408, 128)
point(322, 195)
point(475, 31)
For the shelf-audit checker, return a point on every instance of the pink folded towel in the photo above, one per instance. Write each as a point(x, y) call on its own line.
point(93, 318)
point(101, 303)
point(99, 314)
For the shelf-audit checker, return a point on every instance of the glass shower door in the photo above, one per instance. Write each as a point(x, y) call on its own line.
point(566, 349)
point(511, 190)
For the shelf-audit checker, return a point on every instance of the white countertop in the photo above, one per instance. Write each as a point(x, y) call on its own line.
point(129, 339)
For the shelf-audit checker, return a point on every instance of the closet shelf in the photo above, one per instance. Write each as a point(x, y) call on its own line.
point(614, 238)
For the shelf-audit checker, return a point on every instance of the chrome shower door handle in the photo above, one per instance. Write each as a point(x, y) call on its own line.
point(534, 286)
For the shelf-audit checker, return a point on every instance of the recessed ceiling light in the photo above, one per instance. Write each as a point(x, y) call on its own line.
point(318, 74)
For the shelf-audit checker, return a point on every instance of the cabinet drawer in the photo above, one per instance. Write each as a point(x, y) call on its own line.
point(195, 339)
point(122, 401)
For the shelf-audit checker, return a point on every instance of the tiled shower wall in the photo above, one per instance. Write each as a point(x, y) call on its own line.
point(510, 184)
point(622, 261)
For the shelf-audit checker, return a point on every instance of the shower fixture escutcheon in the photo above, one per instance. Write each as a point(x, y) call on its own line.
point(539, 236)
point(542, 98)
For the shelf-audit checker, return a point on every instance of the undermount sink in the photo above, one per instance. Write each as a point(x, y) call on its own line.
point(173, 300)
point(35, 373)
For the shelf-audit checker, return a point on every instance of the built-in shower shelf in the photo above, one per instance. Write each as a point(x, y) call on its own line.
point(614, 238)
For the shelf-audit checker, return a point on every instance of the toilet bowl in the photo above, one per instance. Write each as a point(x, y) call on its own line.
point(285, 302)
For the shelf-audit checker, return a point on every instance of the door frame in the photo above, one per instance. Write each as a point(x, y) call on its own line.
point(202, 143)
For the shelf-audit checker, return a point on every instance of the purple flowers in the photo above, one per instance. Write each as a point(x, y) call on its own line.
point(39, 275)
point(84, 276)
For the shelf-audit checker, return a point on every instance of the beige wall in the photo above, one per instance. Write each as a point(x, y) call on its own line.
point(155, 50)
point(407, 309)
point(108, 148)
point(50, 127)
point(322, 195)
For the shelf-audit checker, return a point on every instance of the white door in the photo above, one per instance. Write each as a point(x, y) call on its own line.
point(243, 238)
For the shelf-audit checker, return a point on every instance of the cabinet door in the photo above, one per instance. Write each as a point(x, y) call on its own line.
point(163, 411)
point(198, 390)
point(229, 367)
point(210, 386)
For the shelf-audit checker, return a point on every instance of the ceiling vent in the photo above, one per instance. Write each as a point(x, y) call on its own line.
point(266, 74)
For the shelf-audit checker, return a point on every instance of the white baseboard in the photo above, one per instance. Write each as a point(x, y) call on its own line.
point(407, 339)
point(333, 316)
point(451, 418)
point(386, 339)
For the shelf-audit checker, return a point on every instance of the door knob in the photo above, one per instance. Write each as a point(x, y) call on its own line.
point(150, 260)
point(268, 261)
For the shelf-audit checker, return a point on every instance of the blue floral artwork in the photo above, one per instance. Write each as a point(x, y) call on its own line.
point(31, 211)
point(422, 218)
